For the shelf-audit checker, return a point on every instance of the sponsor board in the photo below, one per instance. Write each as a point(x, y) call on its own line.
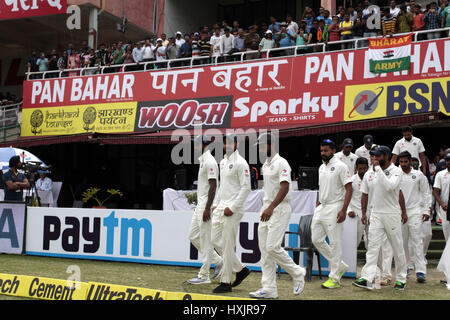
point(107, 118)
point(56, 289)
point(293, 91)
point(153, 237)
point(14, 9)
point(391, 99)
point(42, 288)
point(12, 227)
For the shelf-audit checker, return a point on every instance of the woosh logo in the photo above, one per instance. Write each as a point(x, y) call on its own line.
point(392, 99)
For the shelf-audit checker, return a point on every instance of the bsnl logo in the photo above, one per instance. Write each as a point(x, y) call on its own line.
point(76, 234)
point(418, 97)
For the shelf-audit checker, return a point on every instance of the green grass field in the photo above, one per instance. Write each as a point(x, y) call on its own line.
point(170, 278)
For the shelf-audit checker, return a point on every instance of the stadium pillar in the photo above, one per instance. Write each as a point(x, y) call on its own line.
point(329, 5)
point(93, 27)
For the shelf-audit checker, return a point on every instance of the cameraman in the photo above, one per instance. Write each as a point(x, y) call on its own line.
point(14, 182)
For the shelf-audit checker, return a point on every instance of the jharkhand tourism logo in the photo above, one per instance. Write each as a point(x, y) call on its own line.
point(89, 116)
point(36, 120)
point(365, 103)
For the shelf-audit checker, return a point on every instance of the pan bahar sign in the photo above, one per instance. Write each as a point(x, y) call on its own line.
point(293, 91)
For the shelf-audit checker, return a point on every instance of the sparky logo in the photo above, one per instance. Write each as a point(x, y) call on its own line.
point(365, 103)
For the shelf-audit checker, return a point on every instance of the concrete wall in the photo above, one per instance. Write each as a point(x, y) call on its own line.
point(188, 16)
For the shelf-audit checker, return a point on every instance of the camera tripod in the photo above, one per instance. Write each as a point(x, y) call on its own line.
point(29, 195)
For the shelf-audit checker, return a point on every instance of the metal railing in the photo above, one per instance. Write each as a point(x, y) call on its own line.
point(292, 51)
point(10, 121)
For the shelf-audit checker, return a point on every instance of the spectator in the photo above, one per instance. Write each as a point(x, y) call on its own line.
point(147, 51)
point(346, 29)
point(195, 46)
point(74, 62)
point(404, 20)
point(108, 60)
point(326, 18)
point(70, 49)
point(227, 43)
point(53, 64)
point(334, 33)
point(179, 40)
point(292, 25)
point(393, 10)
point(308, 20)
point(225, 26)
point(388, 23)
point(215, 42)
point(418, 16)
point(252, 41)
point(302, 38)
point(262, 30)
point(186, 48)
point(274, 26)
point(89, 60)
point(101, 53)
point(267, 43)
point(205, 48)
point(171, 51)
point(160, 53)
point(165, 42)
point(42, 62)
point(285, 37)
point(358, 27)
point(235, 28)
point(62, 61)
point(445, 13)
point(411, 5)
point(353, 14)
point(433, 21)
point(118, 54)
point(306, 11)
point(32, 64)
point(138, 53)
point(341, 14)
point(322, 31)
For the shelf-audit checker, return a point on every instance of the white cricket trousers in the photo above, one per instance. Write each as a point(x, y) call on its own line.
point(200, 236)
point(412, 237)
point(427, 234)
point(224, 232)
point(381, 225)
point(270, 237)
point(444, 263)
point(324, 223)
point(445, 223)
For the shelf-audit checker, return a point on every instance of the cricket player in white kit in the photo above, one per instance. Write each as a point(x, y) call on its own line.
point(388, 213)
point(233, 192)
point(364, 150)
point(200, 230)
point(275, 216)
point(354, 209)
point(347, 156)
point(416, 193)
point(411, 144)
point(441, 190)
point(335, 193)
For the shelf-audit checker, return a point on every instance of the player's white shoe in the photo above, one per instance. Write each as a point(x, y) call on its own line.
point(262, 294)
point(217, 269)
point(198, 280)
point(299, 286)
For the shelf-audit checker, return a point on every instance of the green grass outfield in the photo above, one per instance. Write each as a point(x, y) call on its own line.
point(170, 278)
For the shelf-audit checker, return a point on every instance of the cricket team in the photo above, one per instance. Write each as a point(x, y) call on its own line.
point(391, 204)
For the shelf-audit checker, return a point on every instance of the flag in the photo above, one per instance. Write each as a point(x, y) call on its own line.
point(390, 54)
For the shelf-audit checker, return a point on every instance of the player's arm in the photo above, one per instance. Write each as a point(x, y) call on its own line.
point(211, 196)
point(401, 201)
point(284, 189)
point(437, 196)
point(364, 202)
point(244, 182)
point(348, 197)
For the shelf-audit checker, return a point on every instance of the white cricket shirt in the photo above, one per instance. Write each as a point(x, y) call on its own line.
point(414, 186)
point(442, 181)
point(332, 180)
point(414, 147)
point(355, 203)
point(349, 160)
point(274, 172)
point(234, 182)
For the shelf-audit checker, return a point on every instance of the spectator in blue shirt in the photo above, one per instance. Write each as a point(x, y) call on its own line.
point(42, 62)
point(308, 20)
point(274, 26)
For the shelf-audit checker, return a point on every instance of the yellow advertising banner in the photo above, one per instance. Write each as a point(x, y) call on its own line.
point(104, 118)
point(389, 99)
point(42, 288)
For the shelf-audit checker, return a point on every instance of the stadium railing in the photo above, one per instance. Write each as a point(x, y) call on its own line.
point(293, 51)
point(10, 121)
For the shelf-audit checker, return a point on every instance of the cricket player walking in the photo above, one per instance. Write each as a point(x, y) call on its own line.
point(275, 216)
point(441, 191)
point(200, 230)
point(414, 186)
point(335, 193)
point(388, 214)
point(233, 192)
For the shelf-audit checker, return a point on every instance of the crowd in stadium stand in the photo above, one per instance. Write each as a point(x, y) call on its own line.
point(223, 39)
point(8, 99)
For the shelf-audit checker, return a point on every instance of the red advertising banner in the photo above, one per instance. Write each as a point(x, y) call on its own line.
point(14, 9)
point(298, 91)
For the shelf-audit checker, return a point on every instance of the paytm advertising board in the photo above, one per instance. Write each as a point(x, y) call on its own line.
point(12, 227)
point(292, 92)
point(154, 237)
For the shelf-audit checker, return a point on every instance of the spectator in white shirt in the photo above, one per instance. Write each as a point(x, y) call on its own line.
point(147, 51)
point(227, 42)
point(215, 42)
point(292, 25)
point(44, 183)
point(393, 9)
point(411, 144)
point(179, 40)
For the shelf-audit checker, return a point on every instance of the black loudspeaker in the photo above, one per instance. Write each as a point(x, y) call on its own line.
point(180, 179)
point(308, 178)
